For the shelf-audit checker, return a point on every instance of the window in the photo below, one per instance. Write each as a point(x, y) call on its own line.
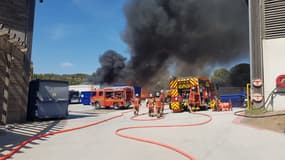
point(109, 94)
point(101, 93)
point(119, 94)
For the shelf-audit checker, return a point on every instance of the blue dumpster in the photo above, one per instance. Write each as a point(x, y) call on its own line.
point(236, 99)
point(137, 90)
point(85, 97)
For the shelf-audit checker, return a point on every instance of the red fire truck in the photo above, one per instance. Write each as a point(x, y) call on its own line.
point(194, 92)
point(112, 97)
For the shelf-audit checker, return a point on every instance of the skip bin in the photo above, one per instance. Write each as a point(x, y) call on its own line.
point(236, 99)
point(47, 99)
point(85, 97)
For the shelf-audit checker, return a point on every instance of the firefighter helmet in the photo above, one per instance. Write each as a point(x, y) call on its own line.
point(150, 95)
point(157, 94)
point(137, 95)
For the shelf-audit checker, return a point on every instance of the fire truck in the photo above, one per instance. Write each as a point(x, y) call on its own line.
point(113, 97)
point(190, 93)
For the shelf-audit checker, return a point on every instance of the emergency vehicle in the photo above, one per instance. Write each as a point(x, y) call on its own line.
point(186, 92)
point(113, 97)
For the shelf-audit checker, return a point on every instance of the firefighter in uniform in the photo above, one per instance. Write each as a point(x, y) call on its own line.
point(206, 96)
point(150, 105)
point(136, 102)
point(191, 101)
point(162, 99)
point(158, 104)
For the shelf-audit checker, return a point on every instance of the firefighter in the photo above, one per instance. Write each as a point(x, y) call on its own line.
point(136, 102)
point(150, 105)
point(191, 101)
point(158, 104)
point(162, 99)
point(205, 96)
point(213, 104)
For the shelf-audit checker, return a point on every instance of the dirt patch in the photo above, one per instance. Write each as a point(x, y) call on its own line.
point(275, 123)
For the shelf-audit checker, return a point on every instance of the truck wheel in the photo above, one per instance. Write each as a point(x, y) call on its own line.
point(116, 106)
point(97, 105)
point(127, 107)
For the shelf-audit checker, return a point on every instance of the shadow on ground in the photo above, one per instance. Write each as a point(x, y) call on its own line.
point(14, 134)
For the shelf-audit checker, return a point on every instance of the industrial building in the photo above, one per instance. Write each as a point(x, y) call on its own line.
point(16, 32)
point(267, 45)
point(83, 87)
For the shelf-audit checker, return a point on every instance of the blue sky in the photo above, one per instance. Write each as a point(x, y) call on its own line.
point(70, 35)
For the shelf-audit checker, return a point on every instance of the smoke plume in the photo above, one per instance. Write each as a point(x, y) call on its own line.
point(112, 64)
point(192, 34)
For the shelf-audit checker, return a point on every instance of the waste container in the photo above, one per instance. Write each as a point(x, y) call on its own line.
point(47, 99)
point(236, 99)
point(85, 97)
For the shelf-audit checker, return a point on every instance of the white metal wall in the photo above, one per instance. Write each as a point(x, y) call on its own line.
point(274, 65)
point(273, 44)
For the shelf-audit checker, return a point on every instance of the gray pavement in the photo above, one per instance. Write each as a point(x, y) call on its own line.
point(222, 139)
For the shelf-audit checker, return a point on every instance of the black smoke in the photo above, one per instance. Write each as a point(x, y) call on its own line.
point(192, 34)
point(112, 64)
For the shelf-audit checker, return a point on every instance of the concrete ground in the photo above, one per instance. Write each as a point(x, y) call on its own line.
point(223, 138)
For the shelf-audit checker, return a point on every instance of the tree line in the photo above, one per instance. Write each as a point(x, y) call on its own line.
point(237, 76)
point(72, 79)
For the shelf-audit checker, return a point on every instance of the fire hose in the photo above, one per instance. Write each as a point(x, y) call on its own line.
point(24, 143)
point(185, 154)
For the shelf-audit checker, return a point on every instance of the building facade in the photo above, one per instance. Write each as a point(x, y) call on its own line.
point(267, 46)
point(16, 32)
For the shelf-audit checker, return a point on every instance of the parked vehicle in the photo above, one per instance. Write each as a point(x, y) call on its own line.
point(74, 97)
point(113, 97)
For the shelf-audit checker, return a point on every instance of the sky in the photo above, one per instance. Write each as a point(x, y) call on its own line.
point(70, 35)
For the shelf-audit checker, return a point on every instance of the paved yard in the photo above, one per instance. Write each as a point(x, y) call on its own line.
point(223, 138)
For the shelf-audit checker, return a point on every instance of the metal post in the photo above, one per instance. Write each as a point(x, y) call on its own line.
point(248, 96)
point(250, 39)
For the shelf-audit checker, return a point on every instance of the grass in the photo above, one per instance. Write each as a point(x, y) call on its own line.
point(255, 111)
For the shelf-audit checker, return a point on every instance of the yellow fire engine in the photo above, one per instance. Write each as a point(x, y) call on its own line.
point(190, 93)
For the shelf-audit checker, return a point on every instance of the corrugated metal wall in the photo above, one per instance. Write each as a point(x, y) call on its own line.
point(274, 19)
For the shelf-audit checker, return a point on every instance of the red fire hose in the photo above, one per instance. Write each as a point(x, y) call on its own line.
point(21, 145)
point(187, 155)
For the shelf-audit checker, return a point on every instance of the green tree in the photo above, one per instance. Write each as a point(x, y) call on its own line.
point(240, 75)
point(72, 79)
point(221, 77)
